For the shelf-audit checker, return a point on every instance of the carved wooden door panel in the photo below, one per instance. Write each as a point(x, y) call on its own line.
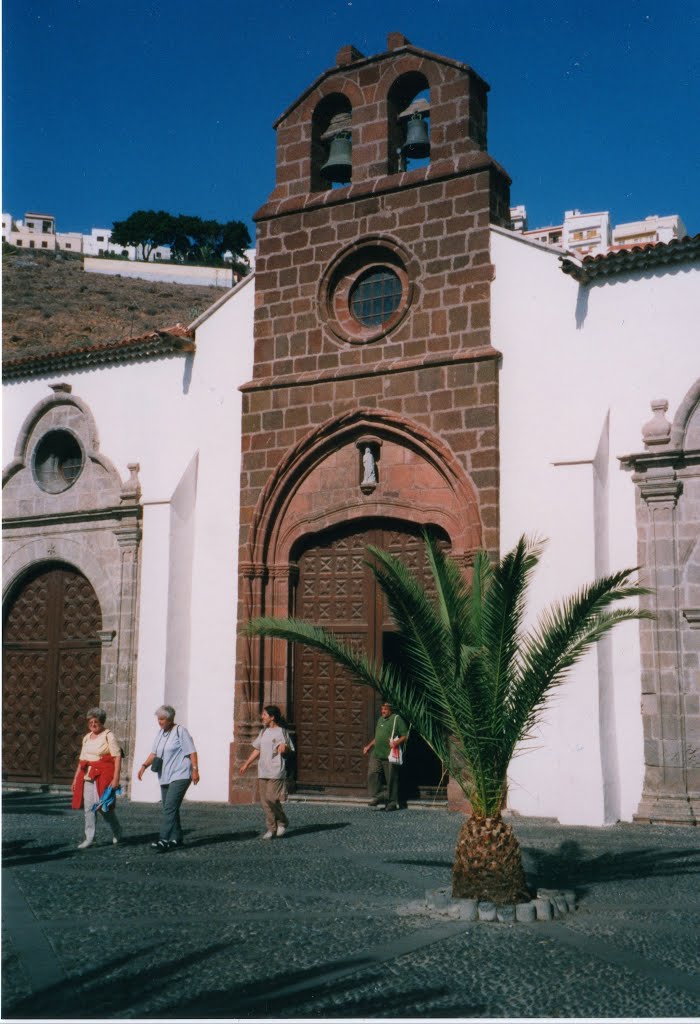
point(51, 673)
point(335, 717)
point(332, 713)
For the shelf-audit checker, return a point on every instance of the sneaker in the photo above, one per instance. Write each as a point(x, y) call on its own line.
point(391, 807)
point(175, 844)
point(161, 846)
point(281, 829)
point(85, 843)
point(116, 840)
point(377, 802)
point(269, 835)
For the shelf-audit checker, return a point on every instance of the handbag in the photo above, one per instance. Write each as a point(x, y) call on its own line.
point(157, 762)
point(395, 753)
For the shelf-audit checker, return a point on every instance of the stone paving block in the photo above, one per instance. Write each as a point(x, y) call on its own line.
point(543, 908)
point(464, 910)
point(487, 911)
point(526, 912)
point(438, 899)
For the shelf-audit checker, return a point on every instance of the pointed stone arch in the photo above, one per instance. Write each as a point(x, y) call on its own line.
point(319, 486)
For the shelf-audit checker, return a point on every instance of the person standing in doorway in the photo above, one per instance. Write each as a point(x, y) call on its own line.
point(382, 773)
point(269, 750)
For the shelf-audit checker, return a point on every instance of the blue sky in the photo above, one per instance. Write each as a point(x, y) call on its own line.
point(117, 105)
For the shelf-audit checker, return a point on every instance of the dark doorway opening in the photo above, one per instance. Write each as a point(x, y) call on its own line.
point(333, 716)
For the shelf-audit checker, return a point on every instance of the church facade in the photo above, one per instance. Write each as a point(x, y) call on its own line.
point(401, 361)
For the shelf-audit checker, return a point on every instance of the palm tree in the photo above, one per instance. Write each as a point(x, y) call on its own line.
point(473, 682)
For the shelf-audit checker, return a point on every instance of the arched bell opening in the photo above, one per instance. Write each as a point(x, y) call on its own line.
point(331, 143)
point(408, 110)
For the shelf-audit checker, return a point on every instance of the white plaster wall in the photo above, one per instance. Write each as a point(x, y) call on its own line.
point(219, 277)
point(162, 414)
point(571, 356)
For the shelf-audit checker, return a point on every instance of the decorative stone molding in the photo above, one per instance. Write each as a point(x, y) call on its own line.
point(692, 617)
point(658, 430)
point(663, 490)
point(131, 489)
point(94, 526)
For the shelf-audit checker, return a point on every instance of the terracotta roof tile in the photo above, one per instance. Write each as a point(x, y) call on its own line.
point(623, 260)
point(175, 340)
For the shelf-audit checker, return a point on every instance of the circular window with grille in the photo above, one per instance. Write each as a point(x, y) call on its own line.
point(58, 461)
point(375, 297)
point(367, 291)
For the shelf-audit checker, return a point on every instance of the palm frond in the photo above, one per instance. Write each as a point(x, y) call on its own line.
point(466, 676)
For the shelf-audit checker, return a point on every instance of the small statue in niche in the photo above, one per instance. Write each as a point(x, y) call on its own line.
point(370, 477)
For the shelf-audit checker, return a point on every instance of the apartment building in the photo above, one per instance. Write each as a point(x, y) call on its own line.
point(591, 234)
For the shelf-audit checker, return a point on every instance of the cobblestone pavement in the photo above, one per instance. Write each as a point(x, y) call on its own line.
point(306, 926)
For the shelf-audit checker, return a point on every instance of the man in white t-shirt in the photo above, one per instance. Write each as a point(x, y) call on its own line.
point(269, 748)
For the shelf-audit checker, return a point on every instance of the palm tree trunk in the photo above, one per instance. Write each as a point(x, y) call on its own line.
point(488, 863)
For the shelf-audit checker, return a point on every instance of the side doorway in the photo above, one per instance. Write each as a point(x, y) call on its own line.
point(51, 672)
point(334, 716)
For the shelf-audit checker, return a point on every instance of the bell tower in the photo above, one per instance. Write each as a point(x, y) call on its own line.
point(372, 335)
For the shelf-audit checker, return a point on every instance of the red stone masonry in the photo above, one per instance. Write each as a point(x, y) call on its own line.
point(432, 367)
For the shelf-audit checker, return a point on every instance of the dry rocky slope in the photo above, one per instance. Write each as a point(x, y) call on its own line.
point(51, 305)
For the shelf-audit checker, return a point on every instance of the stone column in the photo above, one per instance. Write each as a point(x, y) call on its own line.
point(276, 682)
point(665, 797)
point(129, 538)
point(249, 693)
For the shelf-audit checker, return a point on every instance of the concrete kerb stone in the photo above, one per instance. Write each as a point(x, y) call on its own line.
point(548, 905)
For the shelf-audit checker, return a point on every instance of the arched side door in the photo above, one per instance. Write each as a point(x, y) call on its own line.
point(51, 672)
point(334, 717)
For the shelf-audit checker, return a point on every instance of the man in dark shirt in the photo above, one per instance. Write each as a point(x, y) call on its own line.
point(383, 774)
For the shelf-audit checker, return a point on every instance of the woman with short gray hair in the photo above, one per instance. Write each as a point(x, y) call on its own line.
point(96, 778)
point(174, 757)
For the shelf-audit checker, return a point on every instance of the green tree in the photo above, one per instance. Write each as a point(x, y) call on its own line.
point(208, 241)
point(473, 682)
point(191, 239)
point(145, 230)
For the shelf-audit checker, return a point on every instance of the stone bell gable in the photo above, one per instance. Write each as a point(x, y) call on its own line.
point(372, 413)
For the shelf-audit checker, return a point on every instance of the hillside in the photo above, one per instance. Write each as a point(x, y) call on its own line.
point(51, 305)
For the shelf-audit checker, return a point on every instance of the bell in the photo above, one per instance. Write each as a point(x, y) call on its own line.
point(338, 166)
point(417, 142)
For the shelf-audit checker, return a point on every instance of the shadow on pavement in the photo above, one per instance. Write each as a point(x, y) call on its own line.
point(224, 837)
point(111, 991)
point(17, 853)
point(570, 865)
point(306, 830)
point(49, 805)
point(102, 991)
point(423, 863)
point(274, 1003)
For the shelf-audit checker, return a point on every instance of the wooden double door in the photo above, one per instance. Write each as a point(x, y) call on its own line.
point(51, 673)
point(334, 716)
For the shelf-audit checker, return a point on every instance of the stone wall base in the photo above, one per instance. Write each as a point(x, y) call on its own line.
point(663, 809)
